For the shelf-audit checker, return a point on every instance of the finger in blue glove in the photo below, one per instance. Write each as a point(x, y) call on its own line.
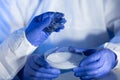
point(96, 65)
point(57, 23)
point(43, 25)
point(37, 68)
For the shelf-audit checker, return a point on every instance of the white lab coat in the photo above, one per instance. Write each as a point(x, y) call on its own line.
point(88, 23)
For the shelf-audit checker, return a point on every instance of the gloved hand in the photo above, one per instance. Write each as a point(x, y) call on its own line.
point(37, 68)
point(97, 64)
point(43, 25)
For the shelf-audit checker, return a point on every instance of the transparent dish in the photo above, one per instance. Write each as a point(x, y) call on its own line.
point(63, 58)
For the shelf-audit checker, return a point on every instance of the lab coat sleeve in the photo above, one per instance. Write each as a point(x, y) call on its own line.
point(15, 48)
point(112, 14)
point(13, 53)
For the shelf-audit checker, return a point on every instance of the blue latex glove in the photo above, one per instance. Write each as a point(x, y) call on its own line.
point(37, 68)
point(97, 64)
point(43, 25)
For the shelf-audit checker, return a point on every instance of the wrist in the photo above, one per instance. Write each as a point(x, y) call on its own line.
point(30, 39)
point(116, 61)
point(114, 56)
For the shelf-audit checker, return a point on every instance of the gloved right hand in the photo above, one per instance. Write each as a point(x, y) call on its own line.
point(97, 63)
point(36, 32)
point(37, 68)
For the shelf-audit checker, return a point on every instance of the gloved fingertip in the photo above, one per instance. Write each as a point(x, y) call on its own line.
point(81, 64)
point(56, 71)
point(75, 69)
point(77, 75)
point(62, 27)
point(58, 29)
point(58, 15)
point(63, 21)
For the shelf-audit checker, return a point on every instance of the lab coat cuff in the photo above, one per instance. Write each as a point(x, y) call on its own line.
point(25, 45)
point(115, 47)
point(15, 50)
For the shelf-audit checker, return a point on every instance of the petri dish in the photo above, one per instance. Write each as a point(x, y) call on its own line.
point(63, 58)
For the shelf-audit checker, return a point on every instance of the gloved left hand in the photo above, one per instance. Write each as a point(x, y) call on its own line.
point(36, 68)
point(43, 25)
point(98, 64)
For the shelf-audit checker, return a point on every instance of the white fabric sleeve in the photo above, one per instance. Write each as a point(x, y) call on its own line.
point(112, 14)
point(14, 49)
point(13, 53)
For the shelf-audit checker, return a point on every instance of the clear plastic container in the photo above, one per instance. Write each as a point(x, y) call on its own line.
point(63, 58)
